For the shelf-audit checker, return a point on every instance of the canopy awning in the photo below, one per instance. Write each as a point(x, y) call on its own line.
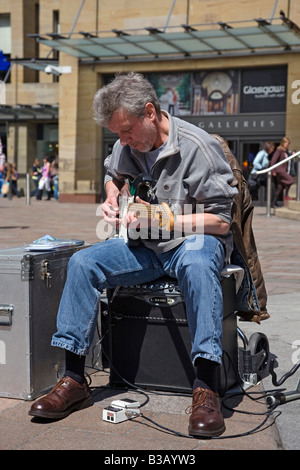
point(36, 63)
point(38, 112)
point(181, 42)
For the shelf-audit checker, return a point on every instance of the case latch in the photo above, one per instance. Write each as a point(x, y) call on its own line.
point(6, 313)
point(45, 273)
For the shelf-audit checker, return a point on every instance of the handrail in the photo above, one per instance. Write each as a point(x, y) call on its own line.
point(269, 180)
point(270, 168)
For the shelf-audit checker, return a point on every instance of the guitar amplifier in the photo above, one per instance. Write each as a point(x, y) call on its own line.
point(149, 338)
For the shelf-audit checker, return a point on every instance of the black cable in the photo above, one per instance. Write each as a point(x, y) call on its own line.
point(279, 382)
point(247, 433)
point(95, 345)
point(179, 434)
point(257, 428)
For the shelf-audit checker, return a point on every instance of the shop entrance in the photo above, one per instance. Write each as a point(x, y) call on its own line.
point(245, 150)
point(249, 148)
point(248, 153)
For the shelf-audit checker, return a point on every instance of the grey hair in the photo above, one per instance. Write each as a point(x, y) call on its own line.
point(130, 92)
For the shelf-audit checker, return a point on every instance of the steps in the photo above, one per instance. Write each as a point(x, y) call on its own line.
point(291, 208)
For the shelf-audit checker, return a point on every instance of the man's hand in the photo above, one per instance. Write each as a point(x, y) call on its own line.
point(110, 207)
point(110, 210)
point(143, 215)
point(141, 219)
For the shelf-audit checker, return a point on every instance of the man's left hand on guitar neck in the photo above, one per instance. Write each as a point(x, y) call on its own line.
point(110, 207)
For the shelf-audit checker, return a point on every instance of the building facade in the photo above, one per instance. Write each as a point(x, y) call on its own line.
point(231, 68)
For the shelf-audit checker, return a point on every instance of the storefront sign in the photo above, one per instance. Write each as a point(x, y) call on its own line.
point(263, 90)
point(241, 124)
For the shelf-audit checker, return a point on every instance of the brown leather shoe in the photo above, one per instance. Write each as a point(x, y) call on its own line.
point(206, 418)
point(65, 397)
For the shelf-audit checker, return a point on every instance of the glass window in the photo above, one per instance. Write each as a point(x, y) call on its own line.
point(5, 34)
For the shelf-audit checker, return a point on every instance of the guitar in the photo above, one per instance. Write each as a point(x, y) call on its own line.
point(157, 215)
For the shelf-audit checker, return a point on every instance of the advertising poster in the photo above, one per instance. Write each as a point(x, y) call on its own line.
point(173, 91)
point(215, 92)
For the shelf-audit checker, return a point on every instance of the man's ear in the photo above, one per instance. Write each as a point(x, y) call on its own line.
point(150, 112)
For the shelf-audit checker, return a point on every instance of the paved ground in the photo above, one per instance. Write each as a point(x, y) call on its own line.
point(279, 249)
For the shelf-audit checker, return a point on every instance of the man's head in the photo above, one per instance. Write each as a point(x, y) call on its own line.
point(129, 107)
point(130, 92)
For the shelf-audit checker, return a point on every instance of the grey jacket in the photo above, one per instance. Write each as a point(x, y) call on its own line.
point(192, 169)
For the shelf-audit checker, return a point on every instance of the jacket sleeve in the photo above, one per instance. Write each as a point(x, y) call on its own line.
point(257, 162)
point(211, 186)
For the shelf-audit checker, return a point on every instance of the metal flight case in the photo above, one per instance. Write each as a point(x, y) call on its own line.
point(31, 285)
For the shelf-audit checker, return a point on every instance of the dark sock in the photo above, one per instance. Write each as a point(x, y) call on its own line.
point(207, 376)
point(74, 366)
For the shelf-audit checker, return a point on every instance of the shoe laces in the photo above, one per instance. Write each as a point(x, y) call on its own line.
point(199, 398)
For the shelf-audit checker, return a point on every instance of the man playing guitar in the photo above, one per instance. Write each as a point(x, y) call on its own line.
point(188, 169)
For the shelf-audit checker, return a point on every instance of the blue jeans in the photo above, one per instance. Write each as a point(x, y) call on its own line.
point(196, 264)
point(55, 184)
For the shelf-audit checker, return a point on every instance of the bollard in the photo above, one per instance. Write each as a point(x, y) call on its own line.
point(269, 193)
point(298, 180)
point(27, 189)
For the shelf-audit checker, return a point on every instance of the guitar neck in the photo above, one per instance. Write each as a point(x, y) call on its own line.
point(160, 213)
point(143, 210)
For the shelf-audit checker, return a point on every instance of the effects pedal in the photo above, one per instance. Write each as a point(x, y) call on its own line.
point(121, 410)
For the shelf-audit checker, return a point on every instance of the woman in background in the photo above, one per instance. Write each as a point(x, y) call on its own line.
point(45, 180)
point(283, 179)
point(36, 174)
point(260, 162)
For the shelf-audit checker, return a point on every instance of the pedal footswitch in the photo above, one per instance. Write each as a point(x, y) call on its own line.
point(121, 410)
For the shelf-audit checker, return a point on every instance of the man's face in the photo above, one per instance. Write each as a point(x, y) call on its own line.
point(138, 133)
